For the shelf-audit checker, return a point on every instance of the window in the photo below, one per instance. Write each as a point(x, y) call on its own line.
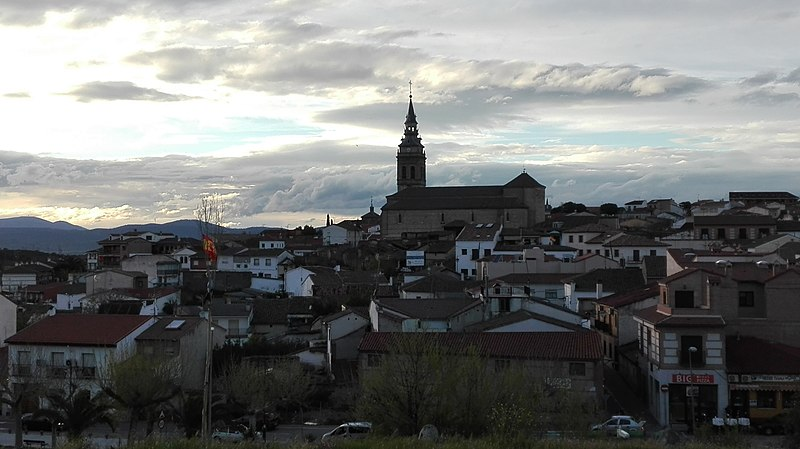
point(267, 262)
point(373, 360)
point(636, 255)
point(765, 399)
point(413, 172)
point(399, 218)
point(570, 239)
point(551, 294)
point(487, 252)
point(403, 172)
point(577, 369)
point(721, 233)
point(696, 357)
point(463, 251)
point(504, 304)
point(616, 253)
point(501, 365)
point(580, 239)
point(653, 252)
point(442, 217)
point(475, 254)
point(464, 272)
point(256, 261)
point(747, 299)
point(742, 233)
point(684, 299)
point(704, 234)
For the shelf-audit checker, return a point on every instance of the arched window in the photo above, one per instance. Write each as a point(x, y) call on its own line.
point(413, 172)
point(403, 172)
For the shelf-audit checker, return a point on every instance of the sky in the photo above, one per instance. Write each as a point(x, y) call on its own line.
point(131, 111)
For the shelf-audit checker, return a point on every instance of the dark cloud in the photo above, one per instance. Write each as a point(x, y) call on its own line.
point(761, 79)
point(768, 97)
point(120, 90)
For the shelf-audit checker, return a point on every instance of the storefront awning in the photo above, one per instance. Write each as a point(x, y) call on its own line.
point(767, 387)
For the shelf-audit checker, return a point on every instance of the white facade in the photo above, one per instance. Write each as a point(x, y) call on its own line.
point(475, 242)
point(8, 319)
point(297, 282)
point(271, 244)
point(334, 235)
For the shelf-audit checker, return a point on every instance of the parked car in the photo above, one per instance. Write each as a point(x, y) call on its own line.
point(355, 430)
point(38, 423)
point(230, 435)
point(772, 426)
point(622, 426)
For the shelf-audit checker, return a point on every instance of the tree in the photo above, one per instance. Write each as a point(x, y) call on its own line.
point(609, 209)
point(402, 393)
point(77, 409)
point(569, 207)
point(26, 389)
point(252, 386)
point(139, 384)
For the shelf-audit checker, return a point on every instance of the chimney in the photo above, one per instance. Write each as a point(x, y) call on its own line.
point(599, 289)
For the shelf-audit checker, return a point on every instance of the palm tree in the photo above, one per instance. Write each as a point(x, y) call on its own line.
point(77, 410)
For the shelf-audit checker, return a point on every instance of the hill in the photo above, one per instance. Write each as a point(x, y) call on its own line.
point(30, 233)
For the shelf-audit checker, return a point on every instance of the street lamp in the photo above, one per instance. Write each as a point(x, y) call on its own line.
point(692, 350)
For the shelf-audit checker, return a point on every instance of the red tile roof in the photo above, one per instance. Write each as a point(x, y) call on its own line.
point(518, 345)
point(79, 330)
point(622, 299)
point(751, 355)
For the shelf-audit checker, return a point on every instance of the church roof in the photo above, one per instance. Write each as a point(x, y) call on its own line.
point(443, 198)
point(523, 180)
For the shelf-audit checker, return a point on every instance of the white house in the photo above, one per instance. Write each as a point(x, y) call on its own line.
point(629, 250)
point(474, 242)
point(73, 346)
point(343, 331)
point(8, 319)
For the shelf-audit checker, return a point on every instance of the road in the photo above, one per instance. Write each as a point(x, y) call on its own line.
point(102, 437)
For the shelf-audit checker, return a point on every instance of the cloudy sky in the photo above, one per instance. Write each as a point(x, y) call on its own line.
point(130, 111)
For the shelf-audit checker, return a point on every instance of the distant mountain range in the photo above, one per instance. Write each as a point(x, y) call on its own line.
point(36, 234)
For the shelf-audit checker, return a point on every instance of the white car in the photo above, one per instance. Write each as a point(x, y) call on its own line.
point(622, 426)
point(355, 430)
point(228, 435)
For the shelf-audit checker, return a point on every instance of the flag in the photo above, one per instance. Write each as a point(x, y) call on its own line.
point(209, 248)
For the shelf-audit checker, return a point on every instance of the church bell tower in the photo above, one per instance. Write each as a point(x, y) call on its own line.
point(410, 152)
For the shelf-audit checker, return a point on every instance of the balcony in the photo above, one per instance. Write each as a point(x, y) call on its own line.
point(54, 372)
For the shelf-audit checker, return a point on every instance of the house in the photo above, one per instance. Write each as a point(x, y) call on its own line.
point(472, 243)
point(235, 318)
point(161, 270)
point(346, 232)
point(73, 346)
point(698, 308)
point(569, 360)
point(614, 321)
point(436, 285)
point(424, 315)
point(142, 301)
point(184, 341)
point(266, 265)
point(8, 319)
point(751, 198)
point(70, 297)
point(536, 260)
point(343, 332)
point(762, 376)
point(733, 227)
point(629, 249)
point(333, 282)
point(115, 278)
point(582, 289)
point(524, 321)
point(276, 318)
point(20, 276)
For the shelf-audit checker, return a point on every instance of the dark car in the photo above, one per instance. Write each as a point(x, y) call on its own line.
point(38, 423)
point(772, 426)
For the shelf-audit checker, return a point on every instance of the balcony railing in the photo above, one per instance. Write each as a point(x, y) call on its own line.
point(54, 372)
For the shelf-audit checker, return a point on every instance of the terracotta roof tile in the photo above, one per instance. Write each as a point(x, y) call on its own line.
point(517, 345)
point(79, 330)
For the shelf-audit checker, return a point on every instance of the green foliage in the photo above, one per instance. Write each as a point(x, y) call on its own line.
point(609, 209)
point(569, 207)
point(419, 383)
point(79, 410)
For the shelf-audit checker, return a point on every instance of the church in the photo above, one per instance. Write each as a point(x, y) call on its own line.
point(420, 212)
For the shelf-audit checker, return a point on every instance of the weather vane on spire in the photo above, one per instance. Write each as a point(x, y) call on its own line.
point(409, 88)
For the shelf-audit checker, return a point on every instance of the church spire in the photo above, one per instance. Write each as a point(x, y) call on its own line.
point(411, 152)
